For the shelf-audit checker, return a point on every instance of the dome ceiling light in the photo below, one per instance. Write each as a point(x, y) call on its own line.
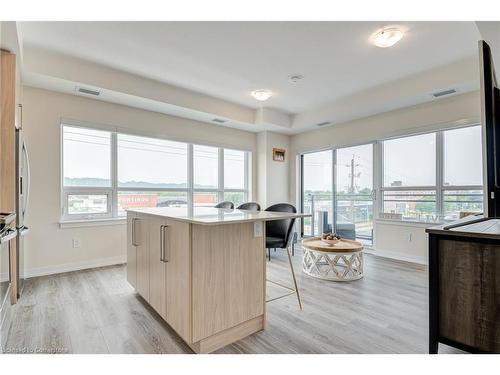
point(386, 37)
point(262, 95)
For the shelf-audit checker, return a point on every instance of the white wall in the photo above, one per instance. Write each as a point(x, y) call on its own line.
point(273, 179)
point(262, 156)
point(405, 241)
point(390, 239)
point(48, 247)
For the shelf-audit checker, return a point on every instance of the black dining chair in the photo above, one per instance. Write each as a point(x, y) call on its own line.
point(249, 206)
point(225, 204)
point(279, 235)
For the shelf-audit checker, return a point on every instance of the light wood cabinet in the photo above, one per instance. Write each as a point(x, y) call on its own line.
point(131, 252)
point(157, 265)
point(141, 240)
point(178, 277)
point(169, 272)
point(206, 281)
point(229, 260)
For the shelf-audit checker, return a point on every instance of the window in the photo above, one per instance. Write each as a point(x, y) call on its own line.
point(410, 161)
point(206, 167)
point(86, 176)
point(337, 190)
point(234, 169)
point(409, 177)
point(151, 172)
point(433, 177)
point(235, 176)
point(139, 199)
point(463, 172)
point(418, 205)
point(106, 172)
point(219, 175)
point(463, 157)
point(354, 192)
point(317, 190)
point(462, 201)
point(151, 163)
point(87, 204)
point(87, 157)
point(205, 198)
point(237, 197)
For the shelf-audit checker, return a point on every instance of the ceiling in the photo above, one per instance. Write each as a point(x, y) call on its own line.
point(228, 60)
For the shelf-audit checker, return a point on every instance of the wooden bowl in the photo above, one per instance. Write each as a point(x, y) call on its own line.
point(329, 242)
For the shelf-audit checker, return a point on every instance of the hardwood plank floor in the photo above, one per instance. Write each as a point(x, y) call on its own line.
point(97, 311)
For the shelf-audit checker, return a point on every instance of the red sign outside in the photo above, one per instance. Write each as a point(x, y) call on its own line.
point(137, 200)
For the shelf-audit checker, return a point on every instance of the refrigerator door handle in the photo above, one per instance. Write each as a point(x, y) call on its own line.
point(23, 231)
point(28, 182)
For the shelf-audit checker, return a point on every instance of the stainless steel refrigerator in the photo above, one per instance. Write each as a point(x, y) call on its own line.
point(22, 198)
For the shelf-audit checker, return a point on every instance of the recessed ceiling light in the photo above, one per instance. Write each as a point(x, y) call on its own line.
point(262, 95)
point(387, 37)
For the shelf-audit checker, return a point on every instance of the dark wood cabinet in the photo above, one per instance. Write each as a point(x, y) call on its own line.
point(464, 285)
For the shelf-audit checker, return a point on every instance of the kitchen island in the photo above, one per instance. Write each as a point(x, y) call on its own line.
point(202, 269)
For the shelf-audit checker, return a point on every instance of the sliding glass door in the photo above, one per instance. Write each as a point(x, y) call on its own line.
point(354, 193)
point(317, 191)
point(340, 201)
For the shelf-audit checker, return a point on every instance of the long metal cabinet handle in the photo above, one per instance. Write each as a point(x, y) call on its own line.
point(134, 243)
point(162, 238)
point(132, 230)
point(163, 252)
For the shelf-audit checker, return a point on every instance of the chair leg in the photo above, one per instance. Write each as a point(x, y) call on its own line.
point(294, 279)
point(269, 253)
point(293, 249)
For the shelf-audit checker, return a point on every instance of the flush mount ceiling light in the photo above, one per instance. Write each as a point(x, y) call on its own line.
point(387, 37)
point(262, 95)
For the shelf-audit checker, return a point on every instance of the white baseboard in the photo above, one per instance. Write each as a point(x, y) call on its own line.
point(76, 266)
point(397, 256)
point(121, 259)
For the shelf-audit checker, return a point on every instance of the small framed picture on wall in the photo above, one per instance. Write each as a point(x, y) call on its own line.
point(278, 154)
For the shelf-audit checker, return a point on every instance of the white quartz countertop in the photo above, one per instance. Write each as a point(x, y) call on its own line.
point(213, 216)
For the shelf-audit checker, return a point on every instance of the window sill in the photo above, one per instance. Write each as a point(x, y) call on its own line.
point(410, 223)
point(63, 224)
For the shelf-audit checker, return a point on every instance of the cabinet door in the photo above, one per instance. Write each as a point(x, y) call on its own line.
point(157, 264)
point(178, 277)
point(131, 253)
point(142, 245)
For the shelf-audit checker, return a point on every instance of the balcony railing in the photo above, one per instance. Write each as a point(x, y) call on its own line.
point(353, 214)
